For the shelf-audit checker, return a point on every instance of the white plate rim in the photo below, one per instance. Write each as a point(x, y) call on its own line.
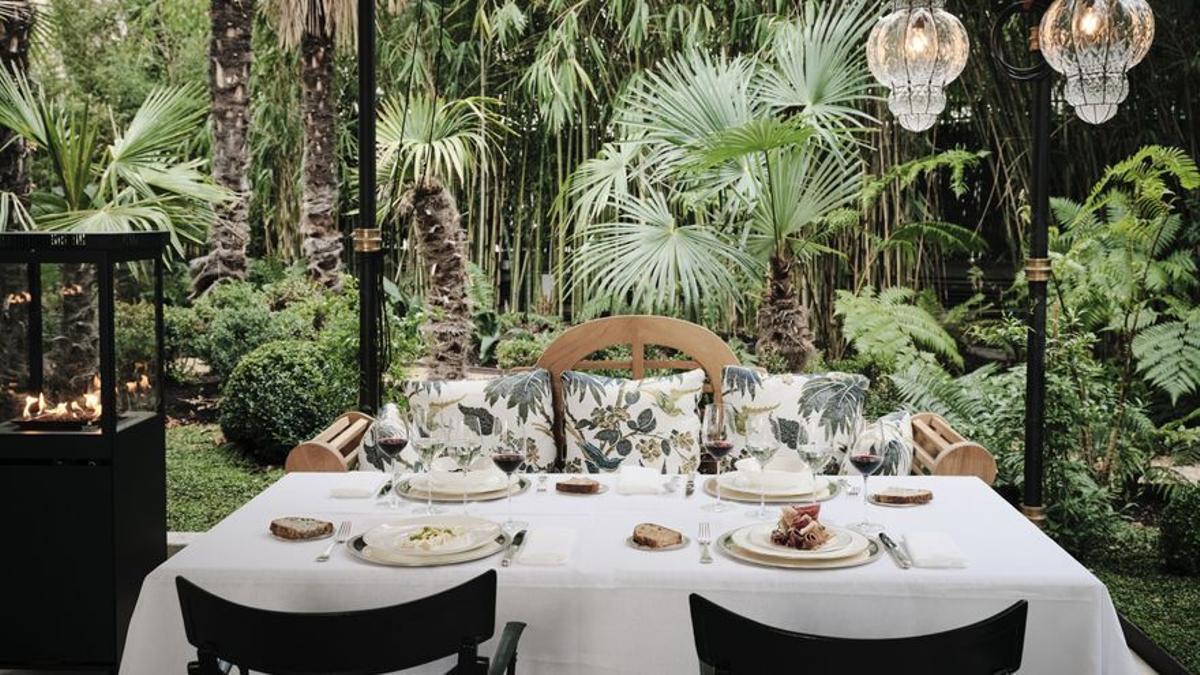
point(728, 476)
point(474, 523)
point(368, 555)
point(856, 540)
point(730, 550)
point(710, 487)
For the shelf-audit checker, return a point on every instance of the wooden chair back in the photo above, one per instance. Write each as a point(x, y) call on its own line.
point(334, 449)
point(381, 640)
point(942, 451)
point(571, 351)
point(731, 644)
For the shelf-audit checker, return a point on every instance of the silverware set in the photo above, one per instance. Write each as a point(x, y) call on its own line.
point(343, 534)
point(690, 488)
point(704, 538)
point(851, 488)
point(898, 554)
point(513, 544)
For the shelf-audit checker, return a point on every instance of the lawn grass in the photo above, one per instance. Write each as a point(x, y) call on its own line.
point(1165, 606)
point(207, 480)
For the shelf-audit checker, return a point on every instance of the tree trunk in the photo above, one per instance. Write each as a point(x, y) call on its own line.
point(443, 248)
point(229, 54)
point(782, 321)
point(318, 218)
point(14, 178)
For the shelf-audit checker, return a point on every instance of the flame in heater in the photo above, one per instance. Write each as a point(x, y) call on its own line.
point(86, 408)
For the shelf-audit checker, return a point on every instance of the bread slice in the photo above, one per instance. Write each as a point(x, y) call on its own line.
point(656, 536)
point(578, 485)
point(300, 528)
point(900, 495)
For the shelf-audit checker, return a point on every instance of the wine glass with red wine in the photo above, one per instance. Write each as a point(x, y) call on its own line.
point(867, 455)
point(391, 437)
point(717, 437)
point(508, 454)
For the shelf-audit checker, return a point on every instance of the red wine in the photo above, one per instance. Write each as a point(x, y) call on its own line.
point(718, 449)
point(866, 464)
point(394, 444)
point(508, 461)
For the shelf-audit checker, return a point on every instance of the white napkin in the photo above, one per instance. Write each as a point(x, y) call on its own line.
point(751, 476)
point(933, 549)
point(639, 480)
point(361, 486)
point(547, 546)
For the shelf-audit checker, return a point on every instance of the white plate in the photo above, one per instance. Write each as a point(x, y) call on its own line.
point(725, 545)
point(406, 490)
point(389, 537)
point(710, 487)
point(757, 539)
point(359, 549)
point(729, 481)
point(454, 483)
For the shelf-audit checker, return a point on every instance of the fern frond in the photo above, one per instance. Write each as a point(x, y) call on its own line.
point(892, 327)
point(1168, 356)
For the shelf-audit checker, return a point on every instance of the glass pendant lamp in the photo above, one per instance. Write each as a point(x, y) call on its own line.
point(915, 51)
point(1094, 43)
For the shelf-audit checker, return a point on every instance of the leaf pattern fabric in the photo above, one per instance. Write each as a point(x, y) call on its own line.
point(522, 400)
point(828, 404)
point(650, 422)
point(894, 429)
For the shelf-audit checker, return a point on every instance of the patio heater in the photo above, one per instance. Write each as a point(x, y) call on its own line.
point(919, 48)
point(82, 447)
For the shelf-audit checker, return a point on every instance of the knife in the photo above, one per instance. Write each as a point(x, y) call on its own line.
point(691, 485)
point(897, 554)
point(513, 545)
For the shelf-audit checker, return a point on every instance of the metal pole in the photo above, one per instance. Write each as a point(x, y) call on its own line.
point(1037, 265)
point(367, 238)
point(1037, 275)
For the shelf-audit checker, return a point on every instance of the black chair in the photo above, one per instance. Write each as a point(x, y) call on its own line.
point(380, 640)
point(731, 644)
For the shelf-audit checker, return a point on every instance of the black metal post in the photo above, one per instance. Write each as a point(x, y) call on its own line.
point(1037, 265)
point(1037, 275)
point(367, 238)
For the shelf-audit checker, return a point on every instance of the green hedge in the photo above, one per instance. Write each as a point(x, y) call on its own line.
point(283, 393)
point(1179, 538)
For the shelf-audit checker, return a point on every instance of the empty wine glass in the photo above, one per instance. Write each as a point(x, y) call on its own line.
point(429, 443)
point(816, 453)
point(717, 437)
point(508, 454)
point(464, 447)
point(762, 445)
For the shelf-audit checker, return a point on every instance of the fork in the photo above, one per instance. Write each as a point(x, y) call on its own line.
point(704, 538)
point(343, 533)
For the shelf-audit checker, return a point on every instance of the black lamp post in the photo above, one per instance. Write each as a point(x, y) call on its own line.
point(368, 239)
point(919, 48)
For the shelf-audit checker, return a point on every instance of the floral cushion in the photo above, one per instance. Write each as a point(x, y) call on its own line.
point(830, 404)
point(895, 429)
point(523, 400)
point(650, 422)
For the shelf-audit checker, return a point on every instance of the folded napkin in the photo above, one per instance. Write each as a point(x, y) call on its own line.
point(362, 486)
point(639, 480)
point(933, 549)
point(547, 546)
point(751, 476)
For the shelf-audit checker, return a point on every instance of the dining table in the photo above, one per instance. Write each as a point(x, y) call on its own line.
point(611, 608)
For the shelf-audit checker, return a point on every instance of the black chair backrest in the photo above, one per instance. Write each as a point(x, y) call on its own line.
point(731, 644)
point(379, 640)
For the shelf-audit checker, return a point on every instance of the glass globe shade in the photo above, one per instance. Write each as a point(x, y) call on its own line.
point(1094, 43)
point(915, 51)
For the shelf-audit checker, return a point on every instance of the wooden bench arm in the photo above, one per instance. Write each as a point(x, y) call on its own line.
point(335, 449)
point(942, 451)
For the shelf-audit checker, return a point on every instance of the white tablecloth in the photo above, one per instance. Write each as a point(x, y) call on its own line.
point(613, 609)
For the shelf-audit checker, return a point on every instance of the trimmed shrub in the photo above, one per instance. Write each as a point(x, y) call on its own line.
point(280, 394)
point(1179, 536)
point(519, 352)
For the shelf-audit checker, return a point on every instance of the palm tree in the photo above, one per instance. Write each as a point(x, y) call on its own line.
point(229, 88)
point(425, 149)
point(315, 27)
point(754, 152)
point(136, 182)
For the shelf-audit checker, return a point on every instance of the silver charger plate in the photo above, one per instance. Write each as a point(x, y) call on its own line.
point(359, 549)
point(710, 487)
point(875, 502)
point(649, 549)
point(404, 489)
point(726, 546)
